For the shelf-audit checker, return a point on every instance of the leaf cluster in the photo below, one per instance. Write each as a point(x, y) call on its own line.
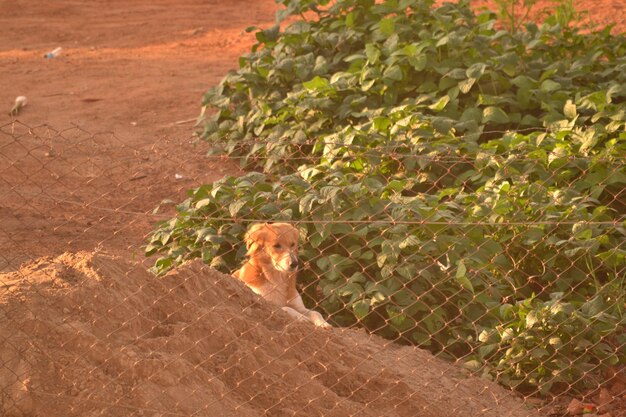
point(452, 180)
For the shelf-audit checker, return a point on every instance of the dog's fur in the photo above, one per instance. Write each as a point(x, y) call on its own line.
point(272, 267)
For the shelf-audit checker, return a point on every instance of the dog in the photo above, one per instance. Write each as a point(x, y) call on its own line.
point(272, 266)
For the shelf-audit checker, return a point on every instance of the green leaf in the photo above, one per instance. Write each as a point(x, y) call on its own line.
point(361, 308)
point(268, 35)
point(393, 72)
point(486, 350)
point(466, 85)
point(507, 334)
point(317, 83)
point(524, 82)
point(555, 341)
point(203, 203)
point(549, 86)
point(569, 110)
point(387, 26)
point(350, 19)
point(531, 319)
point(461, 277)
point(539, 353)
point(372, 52)
point(418, 62)
point(382, 123)
point(494, 114)
point(476, 70)
point(410, 241)
point(473, 365)
point(236, 206)
point(409, 50)
point(440, 104)
point(162, 265)
point(367, 85)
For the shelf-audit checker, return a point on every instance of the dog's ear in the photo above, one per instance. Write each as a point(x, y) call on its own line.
point(295, 233)
point(256, 237)
point(291, 232)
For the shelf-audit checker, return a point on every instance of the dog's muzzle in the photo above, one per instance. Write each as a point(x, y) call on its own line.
point(293, 265)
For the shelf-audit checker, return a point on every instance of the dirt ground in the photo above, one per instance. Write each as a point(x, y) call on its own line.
point(95, 335)
point(107, 134)
point(115, 113)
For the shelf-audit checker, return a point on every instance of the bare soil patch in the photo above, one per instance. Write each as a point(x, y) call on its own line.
point(91, 334)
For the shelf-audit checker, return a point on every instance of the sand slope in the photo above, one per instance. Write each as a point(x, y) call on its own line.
point(88, 334)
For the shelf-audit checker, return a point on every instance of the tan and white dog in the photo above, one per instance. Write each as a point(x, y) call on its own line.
point(272, 267)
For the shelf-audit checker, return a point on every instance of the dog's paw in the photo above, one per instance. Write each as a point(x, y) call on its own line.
point(315, 318)
point(319, 321)
point(324, 325)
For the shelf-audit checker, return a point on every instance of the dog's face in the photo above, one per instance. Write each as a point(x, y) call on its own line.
point(276, 241)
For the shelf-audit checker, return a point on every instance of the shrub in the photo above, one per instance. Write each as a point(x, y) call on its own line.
point(460, 186)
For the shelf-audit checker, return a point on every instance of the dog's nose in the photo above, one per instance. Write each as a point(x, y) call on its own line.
point(294, 263)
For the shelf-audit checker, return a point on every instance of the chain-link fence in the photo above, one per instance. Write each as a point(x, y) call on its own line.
point(445, 297)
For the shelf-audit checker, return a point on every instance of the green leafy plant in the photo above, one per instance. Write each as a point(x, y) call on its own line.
point(451, 179)
point(549, 344)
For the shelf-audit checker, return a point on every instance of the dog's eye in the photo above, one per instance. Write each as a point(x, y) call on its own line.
point(292, 245)
point(277, 246)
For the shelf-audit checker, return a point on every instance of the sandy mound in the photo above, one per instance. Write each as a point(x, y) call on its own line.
point(92, 335)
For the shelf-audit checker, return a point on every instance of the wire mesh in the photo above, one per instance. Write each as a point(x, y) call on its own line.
point(508, 304)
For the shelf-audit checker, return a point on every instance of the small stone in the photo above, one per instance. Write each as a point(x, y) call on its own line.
point(618, 388)
point(604, 401)
point(575, 408)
